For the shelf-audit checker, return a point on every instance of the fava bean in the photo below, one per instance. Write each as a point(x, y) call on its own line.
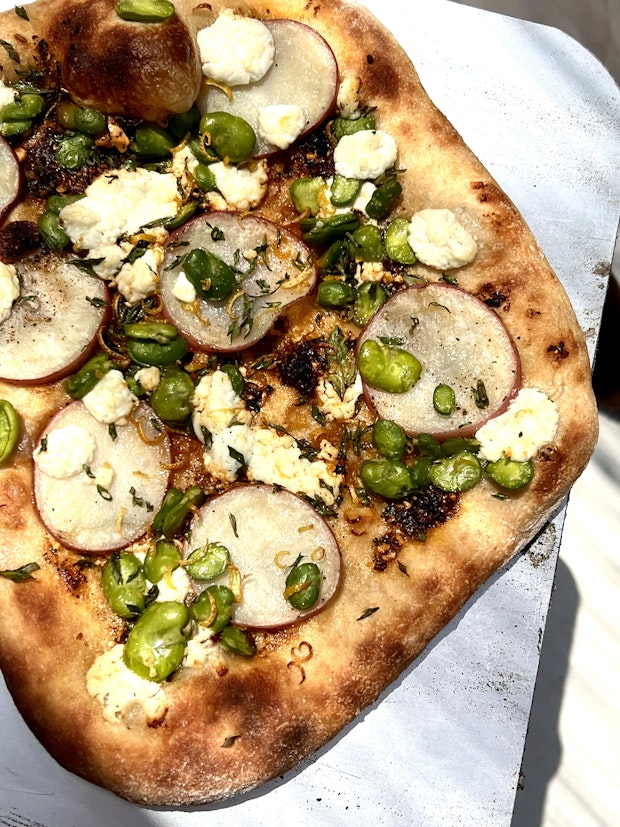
point(175, 508)
point(303, 586)
point(319, 231)
point(25, 108)
point(229, 136)
point(202, 607)
point(207, 562)
point(388, 368)
point(204, 178)
point(10, 128)
point(383, 198)
point(419, 472)
point(397, 244)
point(388, 478)
point(88, 375)
point(155, 646)
point(346, 126)
point(52, 232)
point(510, 474)
point(75, 151)
point(456, 444)
point(335, 258)
point(344, 191)
point(172, 399)
point(332, 293)
point(304, 194)
point(9, 429)
point(389, 438)
point(428, 445)
point(124, 584)
point(184, 122)
point(89, 121)
point(211, 277)
point(238, 641)
point(144, 11)
point(148, 353)
point(458, 472)
point(160, 559)
point(444, 400)
point(370, 297)
point(152, 141)
point(367, 242)
point(55, 203)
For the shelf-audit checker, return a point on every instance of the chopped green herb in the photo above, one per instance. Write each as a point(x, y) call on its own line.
point(368, 612)
point(21, 574)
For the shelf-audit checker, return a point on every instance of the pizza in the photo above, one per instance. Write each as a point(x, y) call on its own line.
point(284, 379)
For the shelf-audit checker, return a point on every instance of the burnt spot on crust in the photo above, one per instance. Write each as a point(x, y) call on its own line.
point(422, 511)
point(558, 351)
point(385, 550)
point(312, 156)
point(17, 239)
point(14, 502)
point(301, 366)
point(493, 297)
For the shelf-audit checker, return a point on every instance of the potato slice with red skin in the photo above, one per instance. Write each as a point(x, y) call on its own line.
point(265, 529)
point(53, 326)
point(99, 519)
point(459, 342)
point(10, 177)
point(304, 72)
point(278, 267)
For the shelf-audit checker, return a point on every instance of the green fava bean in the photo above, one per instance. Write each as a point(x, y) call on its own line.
point(346, 126)
point(456, 444)
point(88, 375)
point(458, 472)
point(368, 243)
point(55, 203)
point(344, 191)
point(184, 122)
point(382, 199)
point(75, 151)
point(144, 11)
point(220, 597)
point(26, 108)
point(333, 293)
point(388, 368)
point(388, 478)
point(335, 258)
point(207, 562)
point(124, 584)
point(510, 474)
point(229, 136)
point(10, 128)
point(319, 231)
point(211, 277)
point(419, 472)
point(305, 192)
point(303, 586)
point(147, 352)
point(397, 244)
point(444, 400)
point(389, 438)
point(370, 297)
point(152, 141)
point(205, 178)
point(52, 232)
point(237, 641)
point(160, 559)
point(428, 445)
point(9, 429)
point(172, 399)
point(175, 508)
point(155, 646)
point(89, 121)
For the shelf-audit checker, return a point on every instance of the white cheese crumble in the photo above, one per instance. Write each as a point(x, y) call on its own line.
point(139, 279)
point(174, 585)
point(280, 124)
point(241, 187)
point(217, 405)
point(118, 204)
point(7, 95)
point(218, 460)
point(530, 422)
point(347, 100)
point(103, 476)
point(65, 451)
point(149, 378)
point(235, 50)
point(439, 240)
point(200, 647)
point(369, 271)
point(9, 289)
point(120, 691)
point(110, 401)
point(366, 154)
point(332, 406)
point(184, 290)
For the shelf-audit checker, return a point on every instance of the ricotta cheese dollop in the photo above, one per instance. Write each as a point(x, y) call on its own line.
point(236, 50)
point(242, 188)
point(530, 422)
point(439, 240)
point(110, 401)
point(65, 451)
point(9, 290)
point(139, 278)
point(366, 154)
point(280, 124)
point(116, 205)
point(217, 405)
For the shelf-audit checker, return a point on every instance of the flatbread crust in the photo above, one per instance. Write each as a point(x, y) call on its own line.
point(237, 723)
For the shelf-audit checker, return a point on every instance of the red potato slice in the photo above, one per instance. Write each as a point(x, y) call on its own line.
point(53, 326)
point(265, 529)
point(9, 176)
point(459, 342)
point(87, 519)
point(276, 277)
point(304, 72)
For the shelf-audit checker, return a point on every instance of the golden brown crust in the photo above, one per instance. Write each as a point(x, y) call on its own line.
point(234, 723)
